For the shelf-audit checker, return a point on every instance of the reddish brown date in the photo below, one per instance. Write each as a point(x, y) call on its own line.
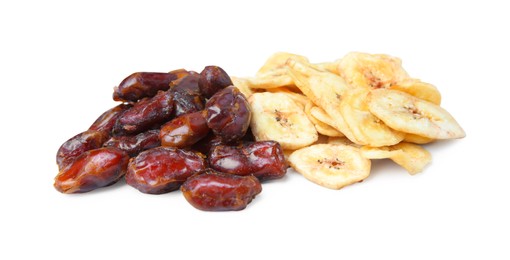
point(212, 80)
point(205, 144)
point(145, 114)
point(220, 191)
point(228, 114)
point(162, 169)
point(187, 95)
point(79, 144)
point(184, 130)
point(91, 170)
point(106, 121)
point(134, 144)
point(145, 84)
point(264, 160)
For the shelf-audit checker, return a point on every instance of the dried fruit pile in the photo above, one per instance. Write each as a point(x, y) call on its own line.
point(177, 129)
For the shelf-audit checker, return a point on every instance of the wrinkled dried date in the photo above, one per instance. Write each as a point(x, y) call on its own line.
point(106, 121)
point(145, 84)
point(187, 95)
point(220, 191)
point(134, 144)
point(91, 170)
point(184, 130)
point(144, 114)
point(228, 114)
point(264, 160)
point(162, 169)
point(212, 80)
point(79, 144)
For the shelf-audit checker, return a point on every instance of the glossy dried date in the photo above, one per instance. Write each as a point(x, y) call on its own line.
point(187, 95)
point(184, 130)
point(106, 121)
point(145, 84)
point(228, 114)
point(134, 144)
point(264, 160)
point(145, 114)
point(162, 169)
point(212, 80)
point(79, 144)
point(91, 170)
point(220, 191)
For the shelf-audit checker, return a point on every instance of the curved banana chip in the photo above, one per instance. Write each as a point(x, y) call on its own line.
point(412, 138)
point(331, 165)
point(366, 128)
point(371, 71)
point(419, 89)
point(409, 114)
point(277, 61)
point(341, 140)
point(272, 79)
point(302, 100)
point(275, 116)
point(243, 86)
point(325, 89)
point(320, 126)
point(411, 157)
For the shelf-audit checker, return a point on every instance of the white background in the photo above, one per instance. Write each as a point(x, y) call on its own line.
point(60, 60)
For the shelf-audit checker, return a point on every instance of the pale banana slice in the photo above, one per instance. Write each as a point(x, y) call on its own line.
point(366, 128)
point(409, 114)
point(325, 89)
point(371, 71)
point(243, 86)
point(322, 116)
point(327, 66)
point(411, 157)
point(331, 165)
point(271, 79)
point(412, 138)
point(419, 89)
point(275, 116)
point(277, 61)
point(298, 98)
point(342, 140)
point(320, 126)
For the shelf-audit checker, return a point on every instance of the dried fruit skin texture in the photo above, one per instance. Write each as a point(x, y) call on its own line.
point(220, 191)
point(93, 169)
point(212, 80)
point(79, 144)
point(145, 114)
point(184, 130)
point(187, 95)
point(134, 144)
point(228, 114)
point(162, 169)
point(145, 84)
point(264, 160)
point(106, 121)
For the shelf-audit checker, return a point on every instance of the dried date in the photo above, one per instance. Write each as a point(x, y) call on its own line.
point(212, 80)
point(79, 144)
point(220, 191)
point(134, 144)
point(145, 114)
point(228, 114)
point(187, 95)
point(91, 170)
point(264, 160)
point(184, 130)
point(145, 84)
point(162, 169)
point(106, 121)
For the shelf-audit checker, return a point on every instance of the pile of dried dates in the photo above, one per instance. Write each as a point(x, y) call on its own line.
point(177, 130)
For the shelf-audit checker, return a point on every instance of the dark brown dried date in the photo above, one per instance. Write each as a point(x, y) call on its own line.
point(91, 170)
point(145, 114)
point(187, 95)
point(220, 191)
point(106, 121)
point(184, 130)
point(212, 80)
point(79, 144)
point(163, 169)
point(145, 84)
point(205, 144)
point(228, 114)
point(264, 160)
point(134, 144)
